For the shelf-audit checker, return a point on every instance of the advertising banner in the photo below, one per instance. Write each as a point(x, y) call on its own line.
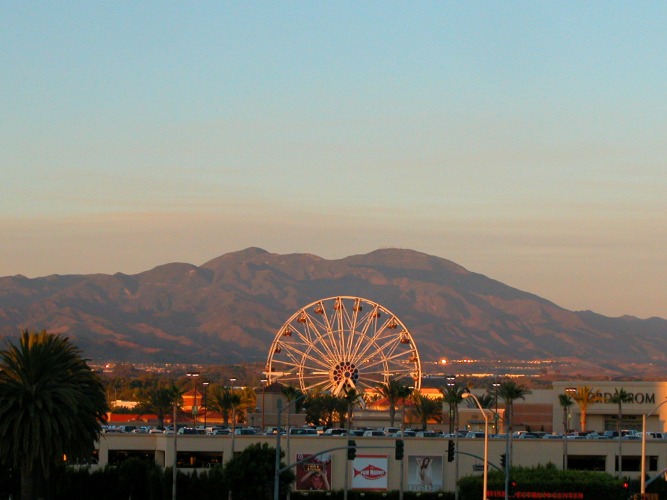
point(369, 472)
point(314, 474)
point(424, 473)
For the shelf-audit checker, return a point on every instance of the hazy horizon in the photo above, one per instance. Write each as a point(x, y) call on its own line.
point(523, 141)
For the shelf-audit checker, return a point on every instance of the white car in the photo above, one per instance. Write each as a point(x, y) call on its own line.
point(335, 431)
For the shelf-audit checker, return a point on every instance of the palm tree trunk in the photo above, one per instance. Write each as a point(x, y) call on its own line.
point(29, 482)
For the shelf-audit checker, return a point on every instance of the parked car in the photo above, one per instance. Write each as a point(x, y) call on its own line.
point(187, 430)
point(244, 431)
point(335, 431)
point(529, 435)
point(389, 430)
point(302, 431)
point(577, 435)
point(406, 433)
point(221, 432)
point(374, 433)
point(427, 434)
point(126, 428)
point(272, 431)
point(475, 435)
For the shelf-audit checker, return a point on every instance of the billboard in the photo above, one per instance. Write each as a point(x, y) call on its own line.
point(369, 472)
point(424, 473)
point(314, 474)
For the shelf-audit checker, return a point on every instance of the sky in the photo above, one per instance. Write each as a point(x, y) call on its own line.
point(525, 141)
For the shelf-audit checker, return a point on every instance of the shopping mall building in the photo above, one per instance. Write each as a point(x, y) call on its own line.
point(541, 410)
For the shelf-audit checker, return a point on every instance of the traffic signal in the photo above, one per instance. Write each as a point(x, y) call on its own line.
point(503, 460)
point(399, 449)
point(512, 488)
point(351, 449)
point(450, 451)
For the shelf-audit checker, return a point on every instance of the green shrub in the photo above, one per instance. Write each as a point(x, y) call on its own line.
point(593, 485)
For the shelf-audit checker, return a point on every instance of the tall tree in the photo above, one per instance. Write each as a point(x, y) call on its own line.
point(294, 400)
point(565, 402)
point(159, 399)
point(351, 397)
point(509, 391)
point(226, 401)
point(51, 405)
point(250, 474)
point(247, 403)
point(394, 391)
point(425, 408)
point(452, 395)
point(585, 396)
point(620, 397)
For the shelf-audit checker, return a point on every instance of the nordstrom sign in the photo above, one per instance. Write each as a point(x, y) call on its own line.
point(634, 397)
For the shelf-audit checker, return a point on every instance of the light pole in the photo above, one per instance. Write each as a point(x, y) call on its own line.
point(263, 381)
point(276, 475)
point(175, 464)
point(194, 376)
point(205, 384)
point(644, 416)
point(231, 389)
point(451, 382)
point(495, 399)
point(486, 442)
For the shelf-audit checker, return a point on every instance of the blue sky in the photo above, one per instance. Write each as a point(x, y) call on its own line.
point(522, 140)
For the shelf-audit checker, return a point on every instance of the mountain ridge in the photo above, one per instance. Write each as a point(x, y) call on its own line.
point(230, 308)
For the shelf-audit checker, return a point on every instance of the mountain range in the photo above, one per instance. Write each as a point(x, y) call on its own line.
point(231, 308)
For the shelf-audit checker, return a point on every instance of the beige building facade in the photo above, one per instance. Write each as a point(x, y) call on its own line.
point(540, 410)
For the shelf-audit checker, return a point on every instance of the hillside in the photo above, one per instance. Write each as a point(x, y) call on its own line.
point(230, 308)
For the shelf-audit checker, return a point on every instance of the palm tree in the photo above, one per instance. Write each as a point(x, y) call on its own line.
point(620, 397)
point(248, 401)
point(159, 400)
point(226, 401)
point(584, 396)
point(393, 391)
point(351, 397)
point(485, 400)
point(51, 404)
point(566, 402)
point(425, 408)
point(452, 395)
point(509, 391)
point(292, 394)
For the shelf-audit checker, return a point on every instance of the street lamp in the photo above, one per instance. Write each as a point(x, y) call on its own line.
point(231, 388)
point(263, 381)
point(486, 441)
point(194, 376)
point(451, 382)
point(495, 399)
point(644, 416)
point(276, 478)
point(205, 384)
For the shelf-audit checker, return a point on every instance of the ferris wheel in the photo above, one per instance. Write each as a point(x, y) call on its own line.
point(341, 343)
